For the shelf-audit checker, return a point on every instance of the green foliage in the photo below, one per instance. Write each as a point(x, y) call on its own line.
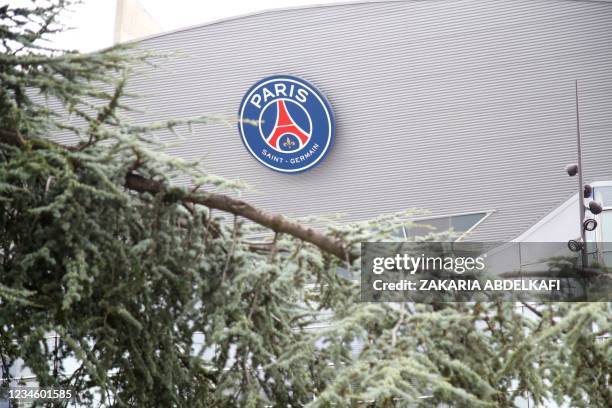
point(160, 302)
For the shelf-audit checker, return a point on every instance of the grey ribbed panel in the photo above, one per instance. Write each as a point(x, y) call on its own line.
point(454, 106)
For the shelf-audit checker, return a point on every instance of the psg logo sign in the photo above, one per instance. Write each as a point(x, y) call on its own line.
point(286, 124)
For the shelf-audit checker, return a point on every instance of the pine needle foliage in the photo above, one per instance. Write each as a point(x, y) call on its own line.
point(158, 301)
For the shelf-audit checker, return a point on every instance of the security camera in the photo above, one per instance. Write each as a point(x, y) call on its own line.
point(595, 207)
point(588, 190)
point(572, 169)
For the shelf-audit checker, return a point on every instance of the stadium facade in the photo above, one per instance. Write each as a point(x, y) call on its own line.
point(465, 108)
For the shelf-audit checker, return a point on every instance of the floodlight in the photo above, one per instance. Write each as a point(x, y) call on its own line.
point(574, 245)
point(589, 224)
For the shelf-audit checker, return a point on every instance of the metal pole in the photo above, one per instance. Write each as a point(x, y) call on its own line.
point(580, 182)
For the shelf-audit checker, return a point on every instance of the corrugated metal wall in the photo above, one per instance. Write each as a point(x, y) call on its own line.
point(450, 105)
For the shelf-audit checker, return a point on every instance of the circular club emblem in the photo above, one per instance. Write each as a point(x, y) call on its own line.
point(286, 124)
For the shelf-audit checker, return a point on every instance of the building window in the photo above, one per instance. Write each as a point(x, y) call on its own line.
point(603, 234)
point(459, 224)
point(604, 196)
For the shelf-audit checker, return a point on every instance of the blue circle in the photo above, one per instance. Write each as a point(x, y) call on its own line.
point(286, 124)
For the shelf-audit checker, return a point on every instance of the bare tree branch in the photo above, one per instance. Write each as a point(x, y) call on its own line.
point(275, 222)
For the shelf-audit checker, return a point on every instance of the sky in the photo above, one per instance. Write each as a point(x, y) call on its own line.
point(93, 21)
